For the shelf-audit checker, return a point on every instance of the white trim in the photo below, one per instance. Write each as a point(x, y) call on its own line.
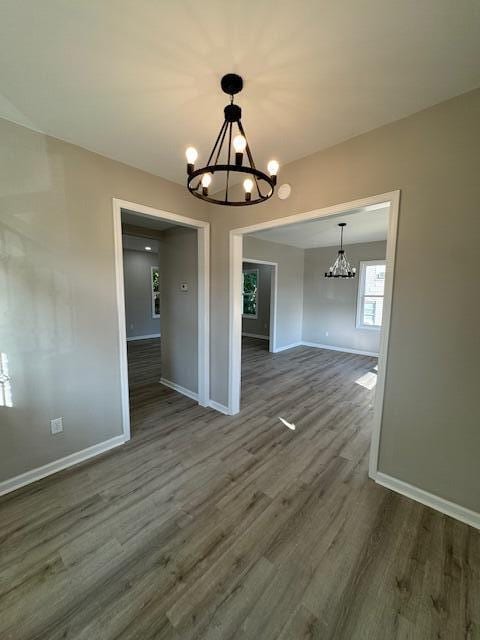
point(219, 407)
point(203, 239)
point(235, 322)
point(359, 352)
point(451, 509)
point(255, 335)
point(288, 346)
point(385, 330)
point(257, 261)
point(203, 287)
point(235, 316)
point(176, 387)
point(151, 335)
point(122, 329)
point(57, 465)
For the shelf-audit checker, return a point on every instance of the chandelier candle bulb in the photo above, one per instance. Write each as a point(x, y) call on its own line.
point(206, 181)
point(272, 168)
point(248, 186)
point(239, 144)
point(192, 156)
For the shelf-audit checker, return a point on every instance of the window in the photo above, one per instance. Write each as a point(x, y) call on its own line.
point(155, 282)
point(5, 385)
point(250, 287)
point(371, 289)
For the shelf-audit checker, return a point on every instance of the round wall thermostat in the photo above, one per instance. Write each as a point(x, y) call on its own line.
point(284, 191)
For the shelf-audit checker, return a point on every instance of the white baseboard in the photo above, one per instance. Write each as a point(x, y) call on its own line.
point(57, 465)
point(176, 387)
point(256, 335)
point(288, 346)
point(451, 509)
point(359, 352)
point(151, 335)
point(220, 407)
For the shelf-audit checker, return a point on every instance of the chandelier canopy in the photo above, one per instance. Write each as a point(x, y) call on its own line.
point(227, 157)
point(341, 267)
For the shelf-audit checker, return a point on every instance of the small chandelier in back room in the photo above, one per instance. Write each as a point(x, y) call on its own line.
point(224, 160)
point(341, 267)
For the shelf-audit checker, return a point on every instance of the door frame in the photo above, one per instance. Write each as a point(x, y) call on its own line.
point(203, 307)
point(391, 198)
point(272, 338)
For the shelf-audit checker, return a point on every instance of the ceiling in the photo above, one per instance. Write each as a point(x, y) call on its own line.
point(138, 81)
point(369, 224)
point(138, 244)
point(148, 222)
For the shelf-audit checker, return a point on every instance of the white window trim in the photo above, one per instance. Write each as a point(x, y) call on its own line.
point(247, 315)
point(154, 315)
point(361, 286)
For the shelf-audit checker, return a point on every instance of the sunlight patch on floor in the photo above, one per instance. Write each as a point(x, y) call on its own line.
point(289, 425)
point(368, 380)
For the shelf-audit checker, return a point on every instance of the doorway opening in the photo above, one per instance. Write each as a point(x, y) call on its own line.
point(291, 328)
point(259, 301)
point(162, 287)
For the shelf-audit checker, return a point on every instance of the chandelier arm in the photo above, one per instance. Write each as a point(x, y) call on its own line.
point(228, 160)
point(216, 142)
point(250, 158)
point(225, 127)
point(249, 153)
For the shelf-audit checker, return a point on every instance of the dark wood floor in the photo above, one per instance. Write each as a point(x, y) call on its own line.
point(144, 362)
point(216, 527)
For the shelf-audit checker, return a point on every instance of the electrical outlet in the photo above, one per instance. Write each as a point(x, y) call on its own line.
point(56, 425)
point(326, 333)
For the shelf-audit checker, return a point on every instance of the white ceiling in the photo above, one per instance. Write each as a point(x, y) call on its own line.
point(138, 81)
point(148, 222)
point(138, 244)
point(363, 225)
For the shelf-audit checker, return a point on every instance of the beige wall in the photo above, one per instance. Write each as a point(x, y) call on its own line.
point(330, 304)
point(179, 309)
point(58, 321)
point(430, 436)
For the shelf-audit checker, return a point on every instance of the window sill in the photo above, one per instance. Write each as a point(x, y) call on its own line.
point(367, 328)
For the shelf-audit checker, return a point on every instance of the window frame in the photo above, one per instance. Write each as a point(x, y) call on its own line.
point(249, 316)
point(361, 295)
point(152, 269)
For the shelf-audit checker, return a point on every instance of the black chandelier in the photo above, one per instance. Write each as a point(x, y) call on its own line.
point(341, 267)
point(258, 186)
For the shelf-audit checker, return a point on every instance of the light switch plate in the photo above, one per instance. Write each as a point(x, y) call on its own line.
point(183, 286)
point(56, 425)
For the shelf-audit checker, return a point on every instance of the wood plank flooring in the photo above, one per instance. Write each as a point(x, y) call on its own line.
point(144, 362)
point(214, 527)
